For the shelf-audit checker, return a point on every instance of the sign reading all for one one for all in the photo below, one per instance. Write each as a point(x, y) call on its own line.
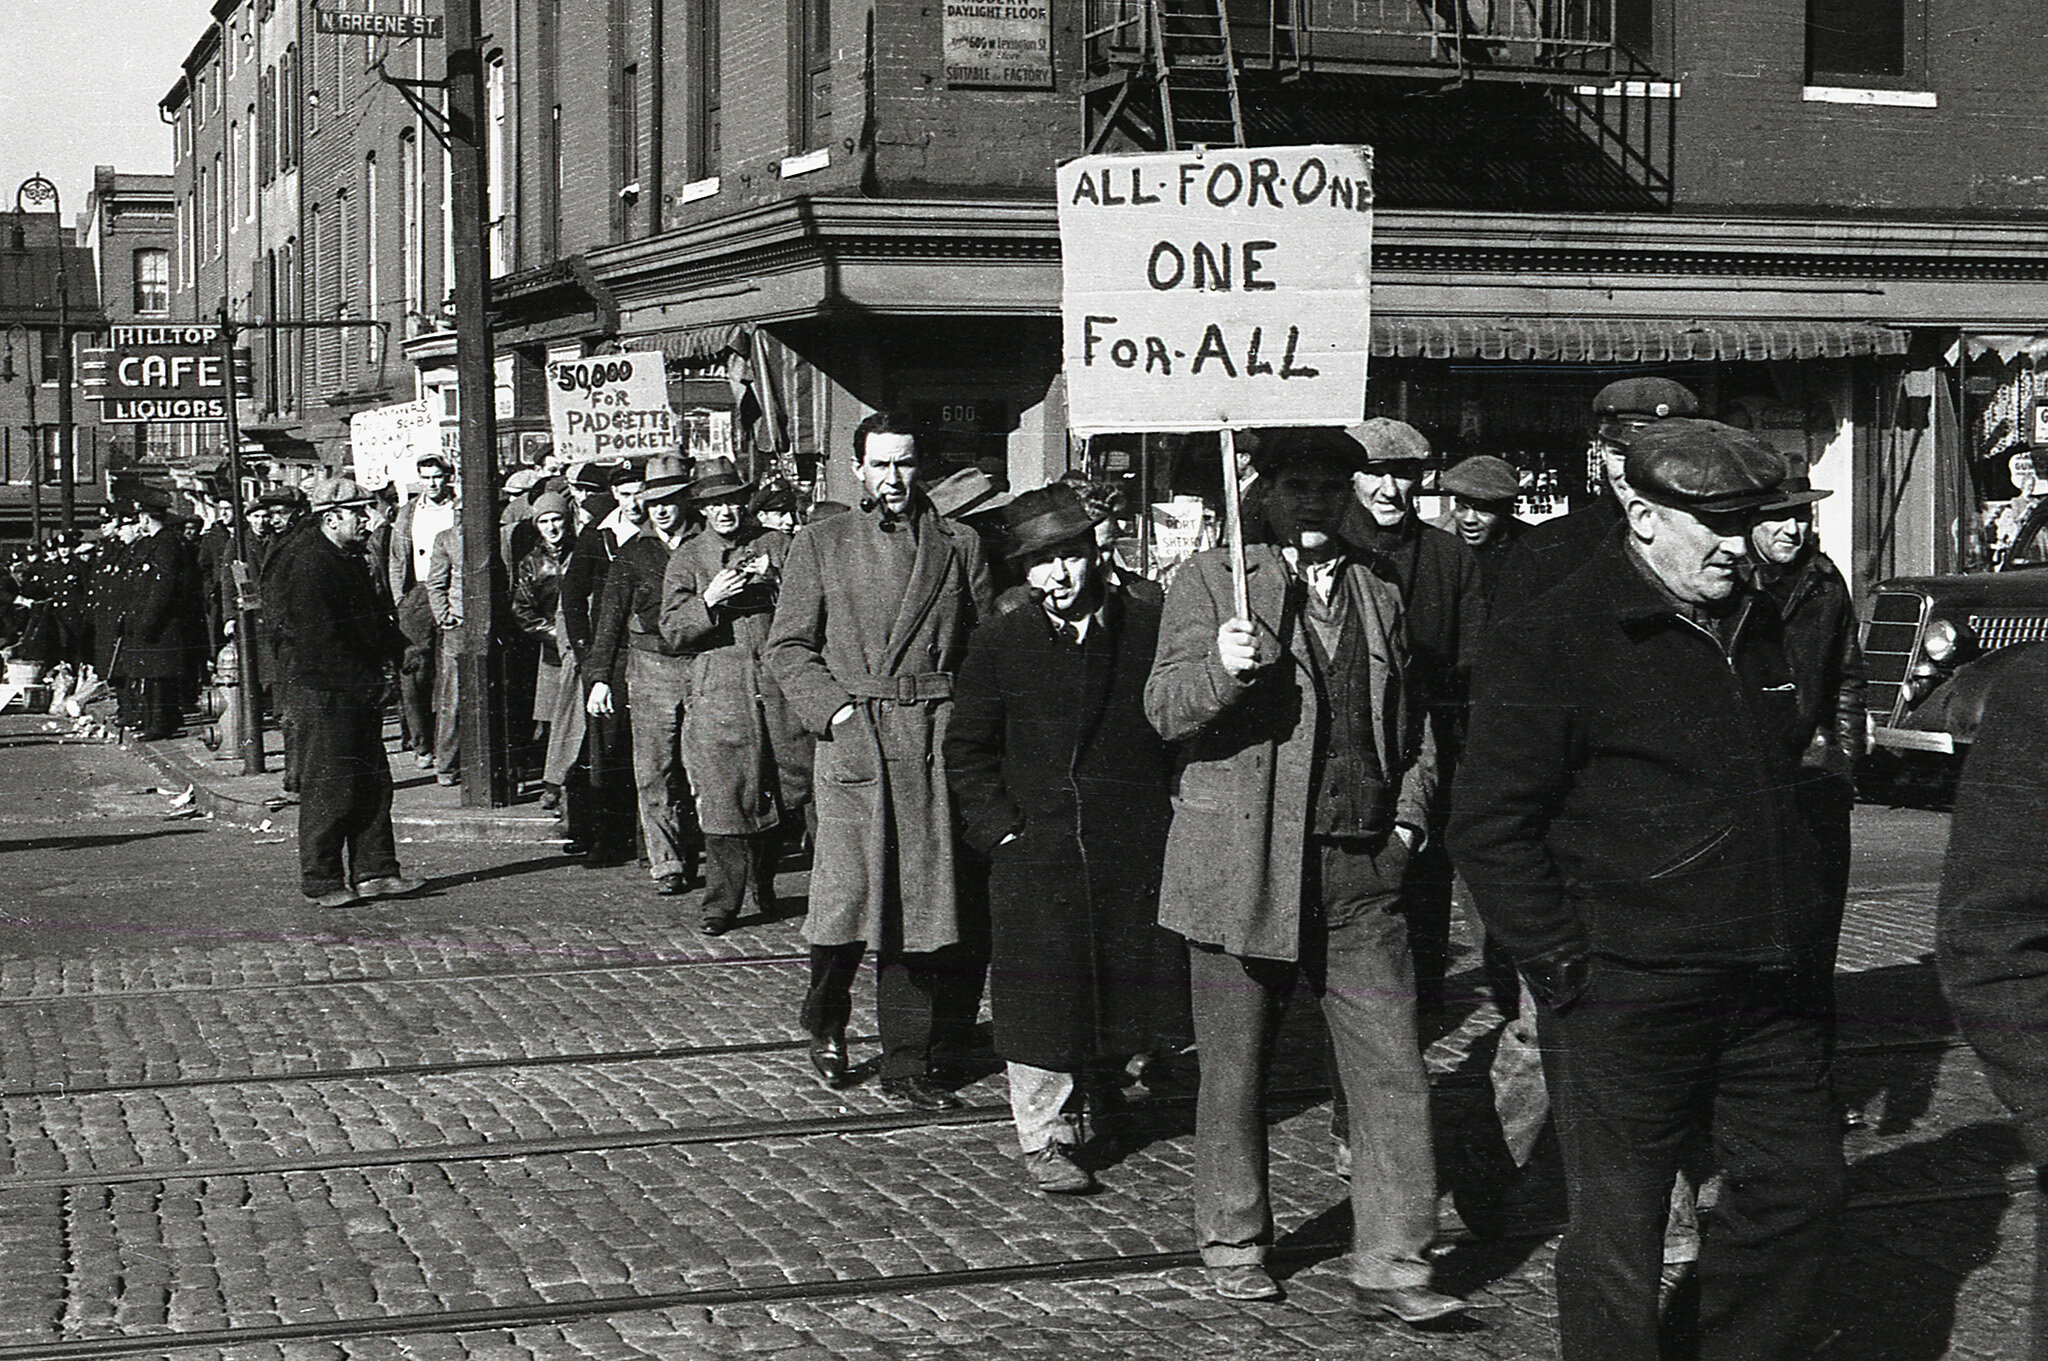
point(611, 406)
point(1216, 290)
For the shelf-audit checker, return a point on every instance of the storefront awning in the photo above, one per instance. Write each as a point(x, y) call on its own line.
point(1628, 340)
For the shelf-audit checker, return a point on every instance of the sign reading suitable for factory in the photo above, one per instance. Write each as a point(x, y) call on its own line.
point(1005, 45)
point(387, 442)
point(1211, 290)
point(163, 374)
point(611, 406)
point(367, 23)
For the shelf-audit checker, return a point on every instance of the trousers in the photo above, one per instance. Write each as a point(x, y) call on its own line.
point(925, 1004)
point(1355, 959)
point(344, 790)
point(656, 687)
point(1640, 1064)
point(447, 705)
point(739, 872)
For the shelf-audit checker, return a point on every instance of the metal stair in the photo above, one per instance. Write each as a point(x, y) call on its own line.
point(1196, 74)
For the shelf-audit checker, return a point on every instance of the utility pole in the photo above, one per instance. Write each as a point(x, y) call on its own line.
point(486, 777)
point(248, 712)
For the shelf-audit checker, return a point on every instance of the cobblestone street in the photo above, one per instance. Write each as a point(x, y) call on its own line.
point(531, 1113)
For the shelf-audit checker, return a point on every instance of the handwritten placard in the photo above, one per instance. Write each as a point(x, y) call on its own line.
point(611, 406)
point(1218, 289)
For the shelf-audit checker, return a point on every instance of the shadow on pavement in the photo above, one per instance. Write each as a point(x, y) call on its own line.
point(1890, 1294)
point(1901, 1003)
point(86, 843)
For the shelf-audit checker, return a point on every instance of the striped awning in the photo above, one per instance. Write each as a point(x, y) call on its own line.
point(1646, 340)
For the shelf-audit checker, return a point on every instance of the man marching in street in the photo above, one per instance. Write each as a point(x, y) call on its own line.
point(1306, 772)
point(718, 600)
point(872, 624)
point(599, 795)
point(625, 641)
point(162, 616)
point(1628, 819)
point(1062, 782)
point(343, 647)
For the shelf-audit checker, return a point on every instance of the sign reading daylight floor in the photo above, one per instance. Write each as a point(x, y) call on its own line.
point(1210, 290)
point(611, 406)
point(1006, 45)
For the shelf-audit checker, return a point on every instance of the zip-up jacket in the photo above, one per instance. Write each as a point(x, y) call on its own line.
point(1629, 782)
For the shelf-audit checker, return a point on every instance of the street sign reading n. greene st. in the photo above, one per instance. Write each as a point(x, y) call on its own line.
point(167, 373)
point(363, 23)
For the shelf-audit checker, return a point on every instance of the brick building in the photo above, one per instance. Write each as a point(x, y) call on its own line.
point(44, 262)
point(1827, 218)
point(127, 225)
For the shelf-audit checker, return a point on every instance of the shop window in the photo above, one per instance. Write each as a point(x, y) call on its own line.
point(1865, 43)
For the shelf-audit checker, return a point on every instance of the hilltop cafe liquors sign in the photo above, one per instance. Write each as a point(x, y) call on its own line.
point(166, 374)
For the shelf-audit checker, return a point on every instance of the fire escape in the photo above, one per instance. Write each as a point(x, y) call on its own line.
point(1543, 88)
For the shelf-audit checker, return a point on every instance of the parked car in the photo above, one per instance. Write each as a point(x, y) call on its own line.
point(1933, 647)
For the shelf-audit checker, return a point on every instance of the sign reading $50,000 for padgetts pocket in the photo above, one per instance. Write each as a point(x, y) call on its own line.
point(1209, 290)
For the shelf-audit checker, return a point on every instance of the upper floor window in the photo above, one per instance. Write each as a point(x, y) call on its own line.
point(1865, 42)
point(152, 282)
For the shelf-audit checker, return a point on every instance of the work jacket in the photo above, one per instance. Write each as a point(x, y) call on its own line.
point(336, 628)
point(1827, 663)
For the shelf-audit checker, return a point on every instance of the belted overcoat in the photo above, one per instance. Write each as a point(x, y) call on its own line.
point(875, 613)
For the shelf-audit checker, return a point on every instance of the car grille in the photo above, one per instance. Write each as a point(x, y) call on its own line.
point(1890, 644)
point(2003, 630)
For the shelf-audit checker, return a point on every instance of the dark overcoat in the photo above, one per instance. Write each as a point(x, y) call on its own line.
point(736, 726)
point(845, 634)
point(1050, 742)
point(162, 621)
point(107, 604)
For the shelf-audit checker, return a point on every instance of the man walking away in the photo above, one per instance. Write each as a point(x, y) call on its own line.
point(1305, 779)
point(872, 623)
point(1627, 818)
point(344, 648)
point(1062, 783)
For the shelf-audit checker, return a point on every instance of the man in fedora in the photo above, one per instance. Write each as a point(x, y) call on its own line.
point(1062, 783)
point(718, 599)
point(627, 631)
point(1305, 777)
point(871, 625)
point(344, 647)
point(1627, 817)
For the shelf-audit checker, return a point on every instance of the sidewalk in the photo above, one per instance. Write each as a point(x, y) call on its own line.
point(421, 810)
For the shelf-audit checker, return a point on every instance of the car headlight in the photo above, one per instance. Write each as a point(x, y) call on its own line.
point(1941, 640)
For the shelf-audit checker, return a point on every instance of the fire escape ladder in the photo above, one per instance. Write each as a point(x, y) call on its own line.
point(1197, 74)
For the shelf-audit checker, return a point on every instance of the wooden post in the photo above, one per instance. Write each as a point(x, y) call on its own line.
point(1234, 513)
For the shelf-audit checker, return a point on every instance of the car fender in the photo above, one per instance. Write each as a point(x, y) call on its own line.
point(1957, 705)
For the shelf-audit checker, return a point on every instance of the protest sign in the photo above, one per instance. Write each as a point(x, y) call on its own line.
point(387, 442)
point(610, 406)
point(1205, 290)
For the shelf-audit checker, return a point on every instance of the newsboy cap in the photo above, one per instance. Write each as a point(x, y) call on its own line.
point(1483, 477)
point(552, 503)
point(1698, 465)
point(1643, 399)
point(338, 493)
point(1795, 491)
point(1386, 440)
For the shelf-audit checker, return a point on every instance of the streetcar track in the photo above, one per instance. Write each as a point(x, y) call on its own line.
point(476, 976)
point(660, 1053)
point(504, 1318)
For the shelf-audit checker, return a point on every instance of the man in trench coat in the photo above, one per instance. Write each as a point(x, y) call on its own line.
point(870, 628)
point(1062, 783)
point(1306, 773)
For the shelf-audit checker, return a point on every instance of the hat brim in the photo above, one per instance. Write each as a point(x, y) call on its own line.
point(1716, 505)
point(1035, 540)
point(353, 503)
point(1793, 499)
point(719, 489)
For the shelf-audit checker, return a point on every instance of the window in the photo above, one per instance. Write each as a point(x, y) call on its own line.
point(266, 126)
point(372, 262)
point(704, 93)
point(152, 282)
point(290, 341)
point(288, 125)
point(220, 206)
point(245, 183)
point(626, 149)
point(344, 257)
point(1860, 42)
point(409, 225)
point(810, 73)
point(184, 237)
point(497, 166)
point(52, 357)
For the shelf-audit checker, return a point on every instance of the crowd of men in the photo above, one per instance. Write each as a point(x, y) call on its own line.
point(1142, 820)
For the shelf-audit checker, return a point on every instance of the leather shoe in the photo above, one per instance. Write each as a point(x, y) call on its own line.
point(1053, 1170)
point(828, 1057)
point(1247, 1282)
point(1412, 1304)
point(672, 885)
point(920, 1093)
point(390, 886)
point(715, 926)
point(341, 897)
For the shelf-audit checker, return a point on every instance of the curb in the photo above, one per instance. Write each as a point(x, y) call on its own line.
point(480, 826)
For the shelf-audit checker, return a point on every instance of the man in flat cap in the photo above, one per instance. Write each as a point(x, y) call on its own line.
point(1556, 548)
point(871, 625)
point(343, 647)
point(1628, 820)
point(1304, 783)
point(626, 642)
point(1483, 489)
